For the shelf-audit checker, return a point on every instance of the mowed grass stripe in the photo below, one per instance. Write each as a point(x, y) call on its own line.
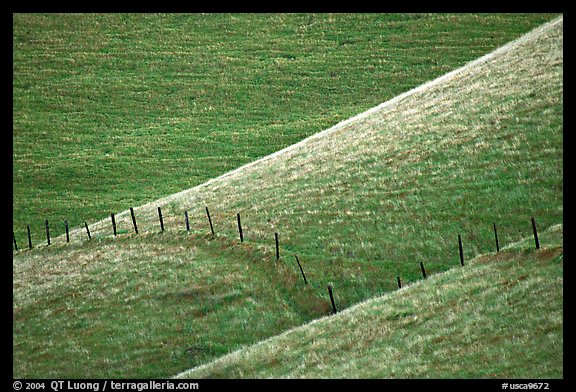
point(112, 111)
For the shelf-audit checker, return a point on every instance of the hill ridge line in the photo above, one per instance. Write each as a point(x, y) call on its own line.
point(362, 303)
point(387, 104)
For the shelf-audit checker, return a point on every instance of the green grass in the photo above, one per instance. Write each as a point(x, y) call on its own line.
point(111, 111)
point(498, 317)
point(359, 206)
point(146, 306)
point(374, 199)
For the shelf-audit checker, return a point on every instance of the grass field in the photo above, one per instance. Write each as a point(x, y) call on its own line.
point(359, 206)
point(498, 317)
point(112, 111)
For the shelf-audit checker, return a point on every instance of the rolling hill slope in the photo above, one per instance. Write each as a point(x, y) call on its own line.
point(360, 204)
point(115, 110)
point(498, 317)
point(399, 184)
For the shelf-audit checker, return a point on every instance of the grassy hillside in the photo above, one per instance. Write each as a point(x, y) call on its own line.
point(498, 317)
point(360, 206)
point(112, 111)
point(382, 193)
point(148, 306)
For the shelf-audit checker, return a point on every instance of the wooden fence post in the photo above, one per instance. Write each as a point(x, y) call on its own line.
point(113, 223)
point(14, 238)
point(334, 311)
point(460, 249)
point(47, 232)
point(399, 283)
point(133, 220)
point(187, 222)
point(29, 238)
point(67, 232)
point(88, 231)
point(161, 221)
point(423, 270)
point(210, 220)
point(240, 227)
point(496, 236)
point(277, 247)
point(301, 270)
point(535, 233)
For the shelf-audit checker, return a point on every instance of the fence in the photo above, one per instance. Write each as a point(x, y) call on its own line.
point(115, 232)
